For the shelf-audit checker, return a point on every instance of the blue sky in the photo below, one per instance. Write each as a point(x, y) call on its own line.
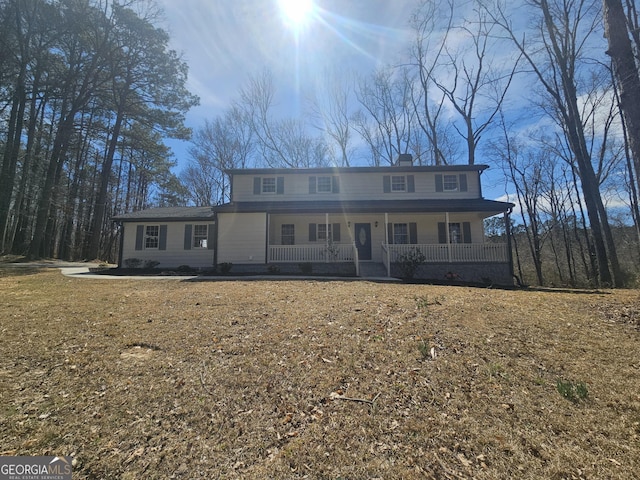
point(225, 42)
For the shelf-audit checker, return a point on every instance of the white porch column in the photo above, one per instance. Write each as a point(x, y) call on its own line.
point(386, 228)
point(267, 243)
point(386, 242)
point(448, 236)
point(326, 237)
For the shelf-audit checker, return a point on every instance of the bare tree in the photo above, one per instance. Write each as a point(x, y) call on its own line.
point(386, 119)
point(464, 61)
point(618, 30)
point(523, 167)
point(333, 113)
point(225, 143)
point(283, 142)
point(564, 29)
point(431, 30)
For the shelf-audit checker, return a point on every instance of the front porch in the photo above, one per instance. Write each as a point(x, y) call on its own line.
point(448, 257)
point(448, 242)
point(434, 253)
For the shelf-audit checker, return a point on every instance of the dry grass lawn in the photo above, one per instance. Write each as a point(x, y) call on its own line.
point(318, 379)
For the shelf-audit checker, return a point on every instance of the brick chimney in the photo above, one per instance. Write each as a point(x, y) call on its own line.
point(404, 160)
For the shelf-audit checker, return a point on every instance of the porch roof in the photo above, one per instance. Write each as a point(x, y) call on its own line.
point(167, 214)
point(369, 206)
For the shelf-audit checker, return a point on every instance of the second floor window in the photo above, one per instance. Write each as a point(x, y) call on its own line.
point(269, 185)
point(450, 183)
point(398, 183)
point(324, 185)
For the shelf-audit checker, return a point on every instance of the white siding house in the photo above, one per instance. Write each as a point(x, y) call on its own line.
point(362, 220)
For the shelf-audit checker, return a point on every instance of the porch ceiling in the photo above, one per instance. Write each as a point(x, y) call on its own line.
point(369, 206)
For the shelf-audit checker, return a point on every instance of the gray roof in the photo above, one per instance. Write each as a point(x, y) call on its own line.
point(167, 213)
point(370, 206)
point(340, 170)
point(361, 206)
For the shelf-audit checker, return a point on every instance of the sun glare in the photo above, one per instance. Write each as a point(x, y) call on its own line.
point(296, 12)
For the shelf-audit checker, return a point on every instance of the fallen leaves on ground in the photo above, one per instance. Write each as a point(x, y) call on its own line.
point(317, 379)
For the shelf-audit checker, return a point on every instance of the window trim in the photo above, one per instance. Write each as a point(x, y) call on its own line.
point(452, 179)
point(291, 235)
point(263, 184)
point(396, 184)
point(464, 234)
point(322, 187)
point(196, 237)
point(395, 228)
point(322, 236)
point(147, 237)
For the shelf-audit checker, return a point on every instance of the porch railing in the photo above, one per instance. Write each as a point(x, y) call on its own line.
point(337, 252)
point(452, 252)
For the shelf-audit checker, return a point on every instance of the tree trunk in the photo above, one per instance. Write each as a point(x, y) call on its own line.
point(626, 71)
point(60, 144)
point(103, 191)
point(10, 162)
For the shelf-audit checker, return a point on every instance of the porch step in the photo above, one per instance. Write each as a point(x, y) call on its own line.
point(369, 269)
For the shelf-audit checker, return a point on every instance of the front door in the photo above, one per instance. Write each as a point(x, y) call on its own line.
point(363, 240)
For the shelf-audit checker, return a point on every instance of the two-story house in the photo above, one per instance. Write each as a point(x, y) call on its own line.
point(355, 220)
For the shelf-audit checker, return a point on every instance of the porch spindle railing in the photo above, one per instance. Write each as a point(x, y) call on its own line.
point(453, 252)
point(337, 252)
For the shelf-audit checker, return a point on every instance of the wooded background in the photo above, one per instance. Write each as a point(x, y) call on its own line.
point(546, 92)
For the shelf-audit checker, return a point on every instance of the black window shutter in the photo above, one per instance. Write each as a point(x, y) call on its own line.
point(257, 185)
point(466, 232)
point(390, 232)
point(386, 184)
point(187, 236)
point(442, 232)
point(312, 184)
point(411, 183)
point(211, 236)
point(139, 236)
point(413, 233)
point(439, 187)
point(280, 185)
point(162, 241)
point(336, 232)
point(335, 184)
point(312, 232)
point(463, 182)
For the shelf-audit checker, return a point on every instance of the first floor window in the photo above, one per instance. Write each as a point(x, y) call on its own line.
point(151, 236)
point(200, 236)
point(455, 233)
point(400, 233)
point(288, 234)
point(322, 231)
